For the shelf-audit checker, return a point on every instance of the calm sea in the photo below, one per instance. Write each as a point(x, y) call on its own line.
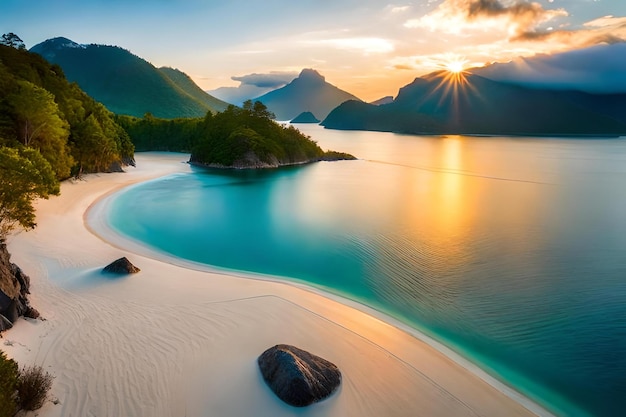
point(512, 251)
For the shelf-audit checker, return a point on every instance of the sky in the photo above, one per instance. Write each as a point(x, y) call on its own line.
point(367, 47)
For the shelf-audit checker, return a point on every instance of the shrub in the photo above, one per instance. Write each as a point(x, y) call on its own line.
point(8, 382)
point(33, 385)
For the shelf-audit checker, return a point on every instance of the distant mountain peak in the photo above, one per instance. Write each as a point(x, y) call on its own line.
point(308, 92)
point(59, 43)
point(50, 47)
point(311, 74)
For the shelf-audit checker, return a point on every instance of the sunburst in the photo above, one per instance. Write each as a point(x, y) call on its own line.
point(453, 82)
point(456, 65)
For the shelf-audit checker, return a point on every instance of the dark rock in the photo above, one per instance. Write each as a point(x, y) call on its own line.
point(298, 377)
point(121, 266)
point(5, 324)
point(31, 313)
point(11, 312)
point(14, 290)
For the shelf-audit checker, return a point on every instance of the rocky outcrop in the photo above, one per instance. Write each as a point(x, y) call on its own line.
point(121, 266)
point(14, 290)
point(298, 377)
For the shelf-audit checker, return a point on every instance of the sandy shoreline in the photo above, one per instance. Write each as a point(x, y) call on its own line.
point(180, 339)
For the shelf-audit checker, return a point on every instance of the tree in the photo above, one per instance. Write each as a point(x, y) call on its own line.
point(24, 175)
point(8, 383)
point(42, 126)
point(258, 109)
point(12, 40)
point(95, 151)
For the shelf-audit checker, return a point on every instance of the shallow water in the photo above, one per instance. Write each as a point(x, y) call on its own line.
point(511, 251)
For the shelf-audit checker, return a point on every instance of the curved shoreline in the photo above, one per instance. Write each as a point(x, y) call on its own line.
point(454, 381)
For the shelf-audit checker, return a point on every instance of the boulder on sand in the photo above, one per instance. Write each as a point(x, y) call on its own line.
point(121, 266)
point(298, 377)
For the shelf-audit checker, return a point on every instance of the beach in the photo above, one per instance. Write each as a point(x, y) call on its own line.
point(181, 339)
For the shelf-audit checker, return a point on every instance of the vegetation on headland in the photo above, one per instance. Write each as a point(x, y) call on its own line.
point(244, 137)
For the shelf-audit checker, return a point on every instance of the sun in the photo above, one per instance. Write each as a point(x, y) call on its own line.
point(456, 65)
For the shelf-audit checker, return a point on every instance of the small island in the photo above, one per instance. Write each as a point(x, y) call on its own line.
point(248, 137)
point(305, 117)
point(244, 137)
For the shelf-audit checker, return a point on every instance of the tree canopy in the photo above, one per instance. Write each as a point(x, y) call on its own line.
point(39, 108)
point(12, 40)
point(24, 175)
point(248, 137)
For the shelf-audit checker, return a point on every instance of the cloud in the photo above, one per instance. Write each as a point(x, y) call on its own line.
point(462, 17)
point(399, 9)
point(274, 79)
point(605, 30)
point(499, 30)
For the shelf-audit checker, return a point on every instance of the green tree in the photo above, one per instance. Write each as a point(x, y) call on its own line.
point(24, 175)
point(42, 126)
point(12, 40)
point(8, 385)
point(95, 150)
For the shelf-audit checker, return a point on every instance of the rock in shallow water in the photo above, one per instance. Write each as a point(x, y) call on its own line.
point(298, 377)
point(121, 266)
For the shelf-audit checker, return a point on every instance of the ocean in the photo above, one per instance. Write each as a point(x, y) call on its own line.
point(511, 251)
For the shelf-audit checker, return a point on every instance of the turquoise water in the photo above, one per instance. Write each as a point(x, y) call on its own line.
point(511, 251)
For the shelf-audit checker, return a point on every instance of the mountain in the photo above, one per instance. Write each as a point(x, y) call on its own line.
point(597, 69)
point(308, 92)
point(253, 85)
point(305, 117)
point(185, 83)
point(444, 103)
point(383, 100)
point(237, 95)
point(127, 84)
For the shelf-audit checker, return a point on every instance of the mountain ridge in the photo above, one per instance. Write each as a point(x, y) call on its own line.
point(446, 103)
point(126, 83)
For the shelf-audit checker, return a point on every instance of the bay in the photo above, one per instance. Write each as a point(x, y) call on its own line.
point(512, 251)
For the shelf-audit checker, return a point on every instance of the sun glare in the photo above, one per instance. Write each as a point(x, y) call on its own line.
point(453, 81)
point(456, 66)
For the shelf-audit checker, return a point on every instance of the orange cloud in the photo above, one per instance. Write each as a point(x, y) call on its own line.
point(607, 30)
point(462, 17)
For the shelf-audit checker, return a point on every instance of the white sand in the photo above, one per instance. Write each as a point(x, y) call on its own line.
point(179, 340)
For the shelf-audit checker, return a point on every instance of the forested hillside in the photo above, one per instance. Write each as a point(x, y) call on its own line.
point(127, 84)
point(49, 130)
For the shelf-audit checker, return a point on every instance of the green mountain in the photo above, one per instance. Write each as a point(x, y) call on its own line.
point(127, 84)
point(308, 92)
point(186, 84)
point(444, 103)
